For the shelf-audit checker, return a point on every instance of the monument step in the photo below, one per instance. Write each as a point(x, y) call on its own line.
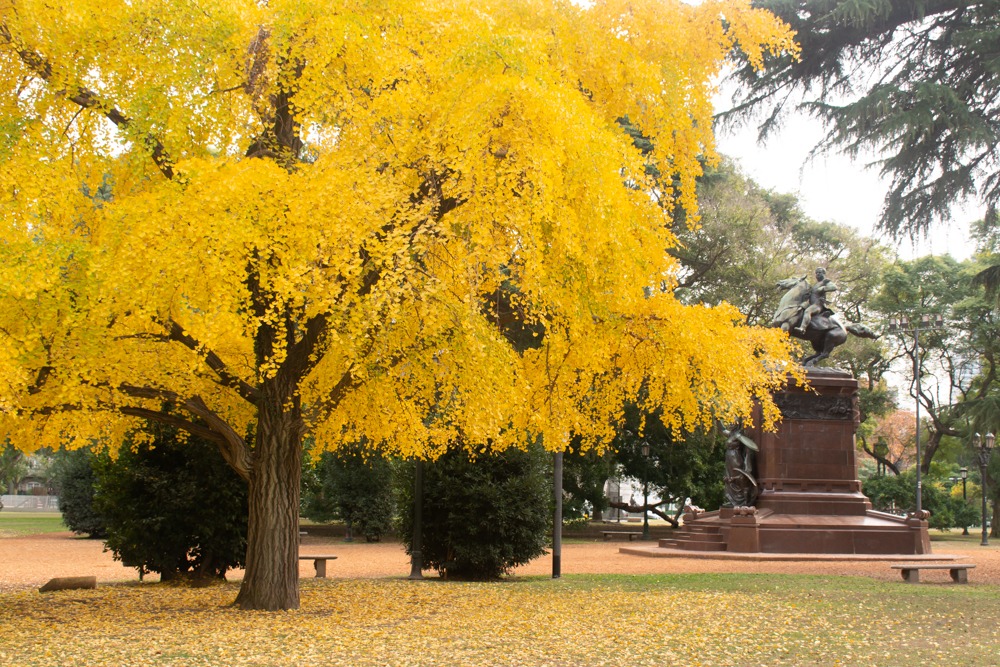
point(698, 545)
point(697, 538)
point(712, 535)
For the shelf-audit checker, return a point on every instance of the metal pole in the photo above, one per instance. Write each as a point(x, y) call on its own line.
point(982, 467)
point(916, 376)
point(557, 492)
point(645, 505)
point(416, 554)
point(618, 497)
point(964, 473)
point(984, 460)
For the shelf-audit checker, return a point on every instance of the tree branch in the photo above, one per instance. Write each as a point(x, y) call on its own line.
point(231, 444)
point(88, 99)
point(880, 459)
point(174, 420)
point(650, 507)
point(302, 355)
point(176, 332)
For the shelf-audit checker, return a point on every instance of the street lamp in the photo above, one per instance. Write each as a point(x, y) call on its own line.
point(903, 325)
point(985, 446)
point(881, 453)
point(645, 490)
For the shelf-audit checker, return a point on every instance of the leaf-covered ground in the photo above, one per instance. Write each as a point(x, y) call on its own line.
point(731, 620)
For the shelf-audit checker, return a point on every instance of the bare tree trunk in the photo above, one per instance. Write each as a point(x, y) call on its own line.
point(271, 581)
point(674, 521)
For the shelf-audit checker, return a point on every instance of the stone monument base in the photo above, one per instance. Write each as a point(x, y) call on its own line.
point(769, 532)
point(809, 498)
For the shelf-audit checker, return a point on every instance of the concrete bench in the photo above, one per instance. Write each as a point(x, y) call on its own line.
point(911, 571)
point(319, 562)
point(632, 535)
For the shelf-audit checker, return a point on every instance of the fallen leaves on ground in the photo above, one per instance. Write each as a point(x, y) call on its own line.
point(574, 621)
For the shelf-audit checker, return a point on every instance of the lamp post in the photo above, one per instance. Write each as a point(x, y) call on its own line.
point(964, 474)
point(557, 519)
point(881, 452)
point(416, 553)
point(903, 325)
point(645, 490)
point(985, 446)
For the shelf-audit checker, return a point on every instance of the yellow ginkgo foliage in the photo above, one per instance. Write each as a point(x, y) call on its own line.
point(411, 223)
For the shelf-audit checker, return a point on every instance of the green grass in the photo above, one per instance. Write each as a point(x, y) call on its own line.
point(731, 620)
point(16, 524)
point(955, 535)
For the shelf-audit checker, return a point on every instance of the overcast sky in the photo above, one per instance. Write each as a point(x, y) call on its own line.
point(833, 188)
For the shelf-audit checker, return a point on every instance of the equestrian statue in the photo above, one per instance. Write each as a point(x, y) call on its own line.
point(803, 313)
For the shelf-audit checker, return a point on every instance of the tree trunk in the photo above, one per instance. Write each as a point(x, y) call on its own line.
point(271, 582)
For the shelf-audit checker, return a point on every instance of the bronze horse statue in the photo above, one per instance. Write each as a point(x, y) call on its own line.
point(824, 332)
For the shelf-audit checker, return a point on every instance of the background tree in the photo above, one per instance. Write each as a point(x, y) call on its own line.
point(898, 493)
point(13, 468)
point(306, 214)
point(356, 487)
point(958, 361)
point(484, 513)
point(749, 238)
point(740, 249)
point(77, 481)
point(888, 439)
point(912, 82)
point(171, 505)
point(678, 465)
point(584, 477)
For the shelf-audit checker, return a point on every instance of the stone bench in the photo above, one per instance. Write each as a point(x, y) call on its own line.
point(632, 535)
point(319, 562)
point(911, 571)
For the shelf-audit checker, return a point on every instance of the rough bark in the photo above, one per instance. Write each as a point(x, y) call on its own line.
point(271, 582)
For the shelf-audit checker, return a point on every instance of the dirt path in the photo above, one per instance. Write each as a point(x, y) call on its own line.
point(28, 562)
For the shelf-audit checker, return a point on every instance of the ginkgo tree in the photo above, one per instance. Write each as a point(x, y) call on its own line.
point(254, 220)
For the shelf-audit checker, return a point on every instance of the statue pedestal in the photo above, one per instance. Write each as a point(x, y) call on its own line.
point(810, 499)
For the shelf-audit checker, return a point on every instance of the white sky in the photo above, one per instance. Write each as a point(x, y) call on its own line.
point(833, 188)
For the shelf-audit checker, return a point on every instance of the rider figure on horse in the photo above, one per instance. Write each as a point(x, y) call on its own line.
point(808, 302)
point(817, 299)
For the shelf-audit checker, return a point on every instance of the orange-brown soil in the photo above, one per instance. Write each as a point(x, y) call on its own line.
point(28, 562)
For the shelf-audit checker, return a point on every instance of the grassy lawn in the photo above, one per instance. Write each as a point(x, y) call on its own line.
point(577, 621)
point(14, 524)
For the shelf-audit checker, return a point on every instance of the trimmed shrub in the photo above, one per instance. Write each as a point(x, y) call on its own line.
point(483, 514)
point(172, 506)
point(354, 486)
point(74, 475)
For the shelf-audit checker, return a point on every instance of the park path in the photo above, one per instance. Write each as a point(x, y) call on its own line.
point(28, 562)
